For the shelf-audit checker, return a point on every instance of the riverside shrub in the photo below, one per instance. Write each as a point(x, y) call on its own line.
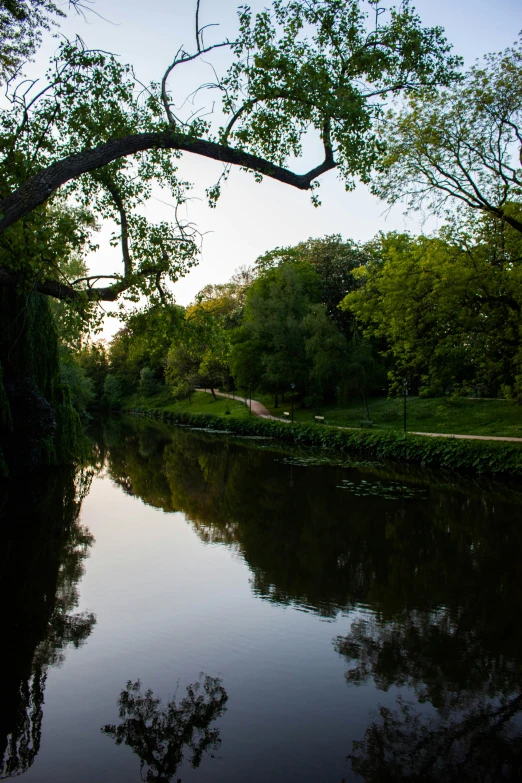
point(450, 453)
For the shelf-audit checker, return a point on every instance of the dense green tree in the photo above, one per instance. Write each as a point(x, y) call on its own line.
point(199, 354)
point(94, 361)
point(144, 342)
point(38, 424)
point(245, 360)
point(148, 385)
point(80, 385)
point(112, 393)
point(447, 307)
point(334, 260)
point(293, 330)
point(276, 304)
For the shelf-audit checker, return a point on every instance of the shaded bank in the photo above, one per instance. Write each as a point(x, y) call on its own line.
point(470, 455)
point(38, 424)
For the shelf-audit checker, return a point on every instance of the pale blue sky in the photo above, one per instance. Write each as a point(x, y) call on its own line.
point(252, 218)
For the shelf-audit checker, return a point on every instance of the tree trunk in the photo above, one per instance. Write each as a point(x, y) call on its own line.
point(276, 404)
point(366, 408)
point(213, 394)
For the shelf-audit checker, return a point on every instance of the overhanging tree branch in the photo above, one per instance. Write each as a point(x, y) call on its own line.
point(41, 186)
point(70, 293)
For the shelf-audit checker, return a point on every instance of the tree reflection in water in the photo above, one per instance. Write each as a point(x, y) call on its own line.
point(473, 732)
point(161, 736)
point(42, 549)
point(436, 572)
point(482, 745)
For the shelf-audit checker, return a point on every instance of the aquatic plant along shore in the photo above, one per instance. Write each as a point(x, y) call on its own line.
point(476, 456)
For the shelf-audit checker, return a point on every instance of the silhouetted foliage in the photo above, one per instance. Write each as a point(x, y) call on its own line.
point(161, 736)
point(42, 550)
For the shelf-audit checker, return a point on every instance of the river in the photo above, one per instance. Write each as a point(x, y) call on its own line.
point(196, 608)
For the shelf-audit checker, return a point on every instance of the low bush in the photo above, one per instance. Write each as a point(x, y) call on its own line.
point(452, 453)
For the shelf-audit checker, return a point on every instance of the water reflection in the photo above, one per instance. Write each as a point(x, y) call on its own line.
point(433, 573)
point(457, 660)
point(42, 549)
point(161, 736)
point(483, 744)
point(310, 543)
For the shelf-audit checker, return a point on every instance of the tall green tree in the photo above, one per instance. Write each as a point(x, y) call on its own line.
point(94, 137)
point(447, 307)
point(334, 260)
point(296, 67)
point(276, 305)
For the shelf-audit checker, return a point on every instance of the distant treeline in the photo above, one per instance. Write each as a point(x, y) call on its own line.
point(333, 319)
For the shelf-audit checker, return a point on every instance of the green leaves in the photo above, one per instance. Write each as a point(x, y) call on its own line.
point(312, 63)
point(446, 309)
point(459, 144)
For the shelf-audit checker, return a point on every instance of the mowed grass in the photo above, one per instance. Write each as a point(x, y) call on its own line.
point(200, 403)
point(459, 417)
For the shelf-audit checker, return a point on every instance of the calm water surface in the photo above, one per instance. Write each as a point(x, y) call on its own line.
point(197, 609)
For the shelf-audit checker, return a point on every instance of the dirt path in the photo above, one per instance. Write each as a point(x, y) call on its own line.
point(467, 437)
point(258, 409)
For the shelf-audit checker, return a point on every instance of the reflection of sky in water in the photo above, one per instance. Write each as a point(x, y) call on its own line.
point(170, 606)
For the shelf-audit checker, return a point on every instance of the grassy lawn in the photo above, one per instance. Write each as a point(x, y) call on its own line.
point(201, 403)
point(463, 417)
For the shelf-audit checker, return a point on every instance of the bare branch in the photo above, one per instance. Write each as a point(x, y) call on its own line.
point(183, 57)
point(198, 42)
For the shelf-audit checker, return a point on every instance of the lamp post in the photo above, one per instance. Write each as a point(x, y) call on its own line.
point(292, 386)
point(404, 394)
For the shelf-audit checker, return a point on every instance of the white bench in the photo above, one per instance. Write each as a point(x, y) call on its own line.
point(286, 413)
point(319, 418)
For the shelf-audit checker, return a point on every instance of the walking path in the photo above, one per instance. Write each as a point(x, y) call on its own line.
point(258, 409)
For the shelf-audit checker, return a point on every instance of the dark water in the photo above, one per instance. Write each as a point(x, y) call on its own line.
point(196, 609)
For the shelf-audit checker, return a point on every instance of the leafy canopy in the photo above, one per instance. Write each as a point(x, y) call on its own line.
point(461, 144)
point(92, 137)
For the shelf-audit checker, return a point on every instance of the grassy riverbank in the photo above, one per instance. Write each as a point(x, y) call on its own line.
point(201, 403)
point(491, 457)
point(459, 417)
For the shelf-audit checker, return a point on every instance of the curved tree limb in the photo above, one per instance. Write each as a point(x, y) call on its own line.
point(70, 293)
point(41, 186)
